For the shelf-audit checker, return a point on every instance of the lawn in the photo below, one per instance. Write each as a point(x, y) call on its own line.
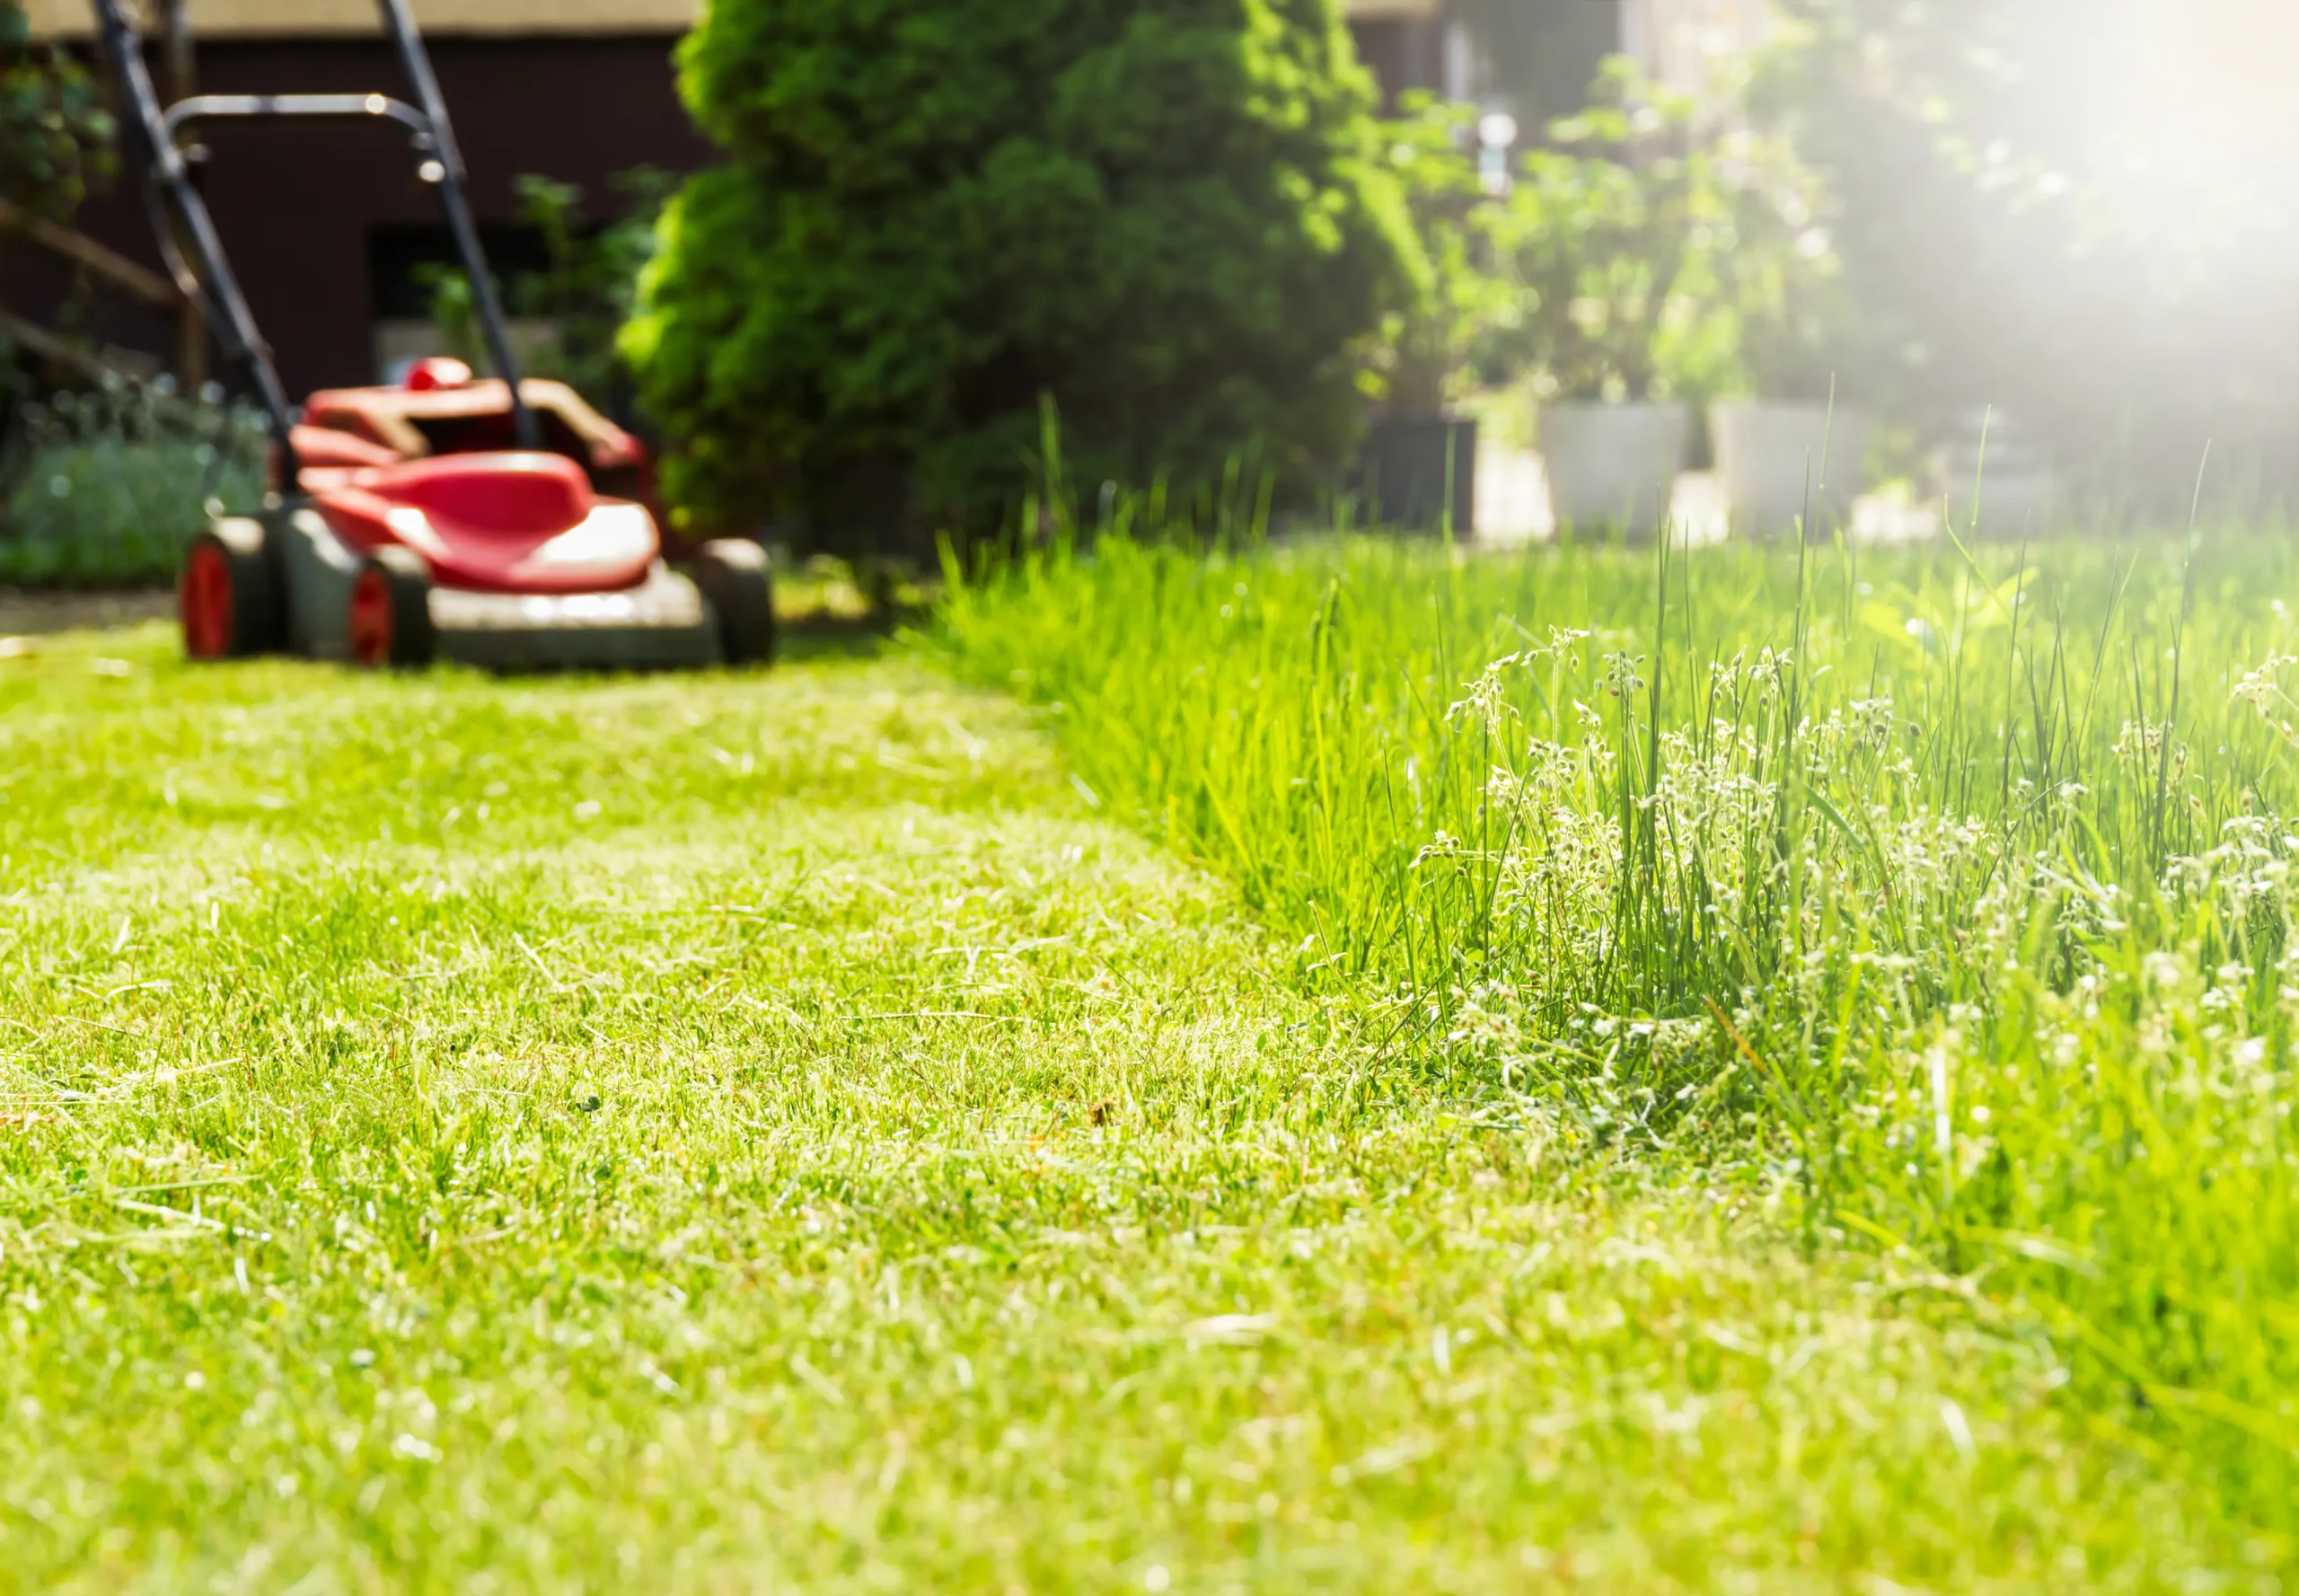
point(845, 1129)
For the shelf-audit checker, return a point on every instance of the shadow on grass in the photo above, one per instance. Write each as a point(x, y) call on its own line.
point(817, 635)
point(42, 612)
point(807, 638)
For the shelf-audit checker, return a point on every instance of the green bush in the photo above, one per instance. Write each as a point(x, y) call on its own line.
point(1169, 216)
point(104, 488)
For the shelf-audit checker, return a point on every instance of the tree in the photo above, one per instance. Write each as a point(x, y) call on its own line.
point(55, 137)
point(1167, 216)
point(54, 134)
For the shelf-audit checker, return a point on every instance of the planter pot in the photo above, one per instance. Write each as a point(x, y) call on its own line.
point(1613, 466)
point(1780, 463)
point(2014, 505)
point(2019, 491)
point(1409, 461)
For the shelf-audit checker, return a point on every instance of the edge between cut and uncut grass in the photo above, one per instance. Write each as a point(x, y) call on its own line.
point(1942, 890)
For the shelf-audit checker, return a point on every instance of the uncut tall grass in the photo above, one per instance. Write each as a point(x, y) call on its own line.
point(1956, 884)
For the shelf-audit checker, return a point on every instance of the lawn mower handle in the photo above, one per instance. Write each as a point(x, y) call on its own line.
point(210, 286)
point(209, 282)
point(399, 18)
point(201, 107)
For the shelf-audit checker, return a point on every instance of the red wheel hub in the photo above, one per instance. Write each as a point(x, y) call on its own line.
point(371, 618)
point(204, 603)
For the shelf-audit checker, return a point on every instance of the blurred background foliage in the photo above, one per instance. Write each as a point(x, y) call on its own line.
point(1167, 218)
point(55, 142)
point(102, 487)
point(1657, 254)
point(585, 291)
point(1641, 248)
point(2081, 215)
point(54, 129)
point(1430, 344)
point(1184, 228)
point(2081, 210)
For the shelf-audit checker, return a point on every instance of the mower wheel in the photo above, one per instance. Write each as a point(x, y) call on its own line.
point(391, 611)
point(739, 588)
point(227, 598)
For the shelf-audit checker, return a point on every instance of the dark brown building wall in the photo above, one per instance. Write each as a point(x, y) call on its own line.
point(297, 203)
point(1396, 51)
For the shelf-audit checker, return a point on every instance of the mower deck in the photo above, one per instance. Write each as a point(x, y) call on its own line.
point(661, 620)
point(287, 581)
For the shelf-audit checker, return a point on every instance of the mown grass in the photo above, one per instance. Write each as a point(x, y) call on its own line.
point(763, 1133)
point(1951, 890)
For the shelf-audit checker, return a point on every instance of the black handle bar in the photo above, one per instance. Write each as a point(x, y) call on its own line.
point(207, 279)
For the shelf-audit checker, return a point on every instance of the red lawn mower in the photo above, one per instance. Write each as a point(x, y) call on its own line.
point(501, 523)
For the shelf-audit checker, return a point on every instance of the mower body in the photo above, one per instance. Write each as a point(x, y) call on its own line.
point(416, 532)
point(440, 410)
point(501, 523)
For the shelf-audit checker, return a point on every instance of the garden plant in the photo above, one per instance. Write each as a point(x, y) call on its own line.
point(1614, 238)
point(104, 487)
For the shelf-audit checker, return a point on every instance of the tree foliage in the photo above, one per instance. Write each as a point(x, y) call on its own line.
point(55, 133)
point(1169, 216)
